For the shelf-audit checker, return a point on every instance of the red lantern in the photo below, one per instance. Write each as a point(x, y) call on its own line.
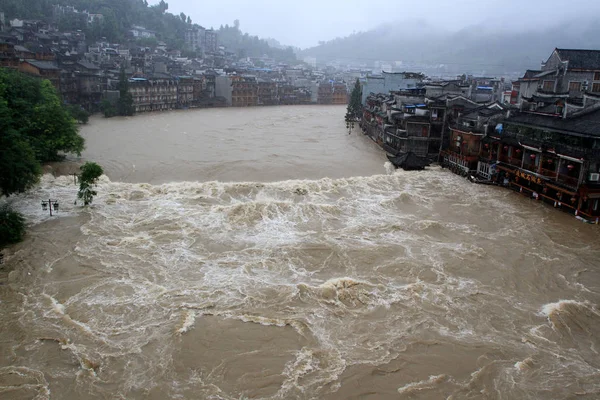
point(570, 167)
point(549, 161)
point(518, 150)
point(532, 156)
point(505, 147)
point(487, 145)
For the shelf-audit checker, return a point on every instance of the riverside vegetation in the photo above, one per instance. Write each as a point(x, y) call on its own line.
point(35, 127)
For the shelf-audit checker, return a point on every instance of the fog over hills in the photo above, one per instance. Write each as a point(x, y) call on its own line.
point(473, 49)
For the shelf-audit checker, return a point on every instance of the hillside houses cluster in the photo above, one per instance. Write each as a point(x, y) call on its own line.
point(541, 138)
point(160, 78)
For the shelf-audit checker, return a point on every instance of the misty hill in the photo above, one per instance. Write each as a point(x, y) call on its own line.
point(474, 49)
point(120, 15)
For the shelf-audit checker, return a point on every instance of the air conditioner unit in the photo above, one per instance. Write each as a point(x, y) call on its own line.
point(594, 177)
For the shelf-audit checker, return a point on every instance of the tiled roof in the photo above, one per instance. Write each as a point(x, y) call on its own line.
point(88, 65)
point(585, 123)
point(47, 65)
point(530, 73)
point(580, 59)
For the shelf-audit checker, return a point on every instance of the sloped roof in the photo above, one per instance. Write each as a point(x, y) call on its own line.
point(530, 73)
point(583, 123)
point(580, 59)
point(408, 161)
point(47, 65)
point(21, 48)
point(88, 65)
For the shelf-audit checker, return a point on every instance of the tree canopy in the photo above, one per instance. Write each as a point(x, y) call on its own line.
point(34, 128)
point(12, 226)
point(355, 103)
point(90, 172)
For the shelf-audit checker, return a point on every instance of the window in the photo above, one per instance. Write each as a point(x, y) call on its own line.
point(548, 86)
point(596, 87)
point(597, 76)
point(574, 86)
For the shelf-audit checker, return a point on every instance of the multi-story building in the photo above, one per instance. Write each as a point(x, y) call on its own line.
point(388, 82)
point(466, 151)
point(244, 91)
point(325, 93)
point(267, 92)
point(8, 56)
point(185, 91)
point(567, 71)
point(195, 38)
point(340, 93)
point(210, 41)
point(155, 93)
point(551, 157)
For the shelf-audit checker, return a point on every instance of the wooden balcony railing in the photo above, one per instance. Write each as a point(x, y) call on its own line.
point(567, 180)
point(510, 160)
point(549, 173)
point(530, 167)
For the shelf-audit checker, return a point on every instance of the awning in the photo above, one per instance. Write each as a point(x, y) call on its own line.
point(531, 148)
point(577, 160)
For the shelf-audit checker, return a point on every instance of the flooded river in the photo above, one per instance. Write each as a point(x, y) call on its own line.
point(265, 253)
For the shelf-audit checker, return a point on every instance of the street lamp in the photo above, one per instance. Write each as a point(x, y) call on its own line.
point(49, 205)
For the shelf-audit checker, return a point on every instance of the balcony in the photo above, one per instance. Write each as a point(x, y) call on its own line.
point(567, 149)
point(529, 166)
point(568, 180)
point(548, 173)
point(510, 160)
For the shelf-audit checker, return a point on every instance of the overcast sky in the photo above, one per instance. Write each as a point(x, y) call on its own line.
point(303, 23)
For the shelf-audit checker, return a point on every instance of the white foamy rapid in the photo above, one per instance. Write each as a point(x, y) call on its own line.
point(397, 285)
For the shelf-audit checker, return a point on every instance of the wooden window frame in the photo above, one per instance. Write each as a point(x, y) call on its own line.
point(544, 86)
point(576, 90)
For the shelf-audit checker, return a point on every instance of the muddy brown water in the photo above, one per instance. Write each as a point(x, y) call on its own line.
point(265, 253)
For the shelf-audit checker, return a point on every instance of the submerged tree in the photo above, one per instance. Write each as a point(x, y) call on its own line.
point(90, 172)
point(12, 226)
point(354, 106)
point(125, 102)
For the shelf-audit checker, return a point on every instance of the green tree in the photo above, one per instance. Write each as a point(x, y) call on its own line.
point(108, 109)
point(12, 226)
point(90, 172)
point(34, 128)
point(354, 106)
point(52, 129)
point(355, 103)
point(79, 114)
point(20, 169)
point(125, 102)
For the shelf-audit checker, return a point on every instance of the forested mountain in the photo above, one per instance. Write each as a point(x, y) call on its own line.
point(120, 15)
point(474, 48)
